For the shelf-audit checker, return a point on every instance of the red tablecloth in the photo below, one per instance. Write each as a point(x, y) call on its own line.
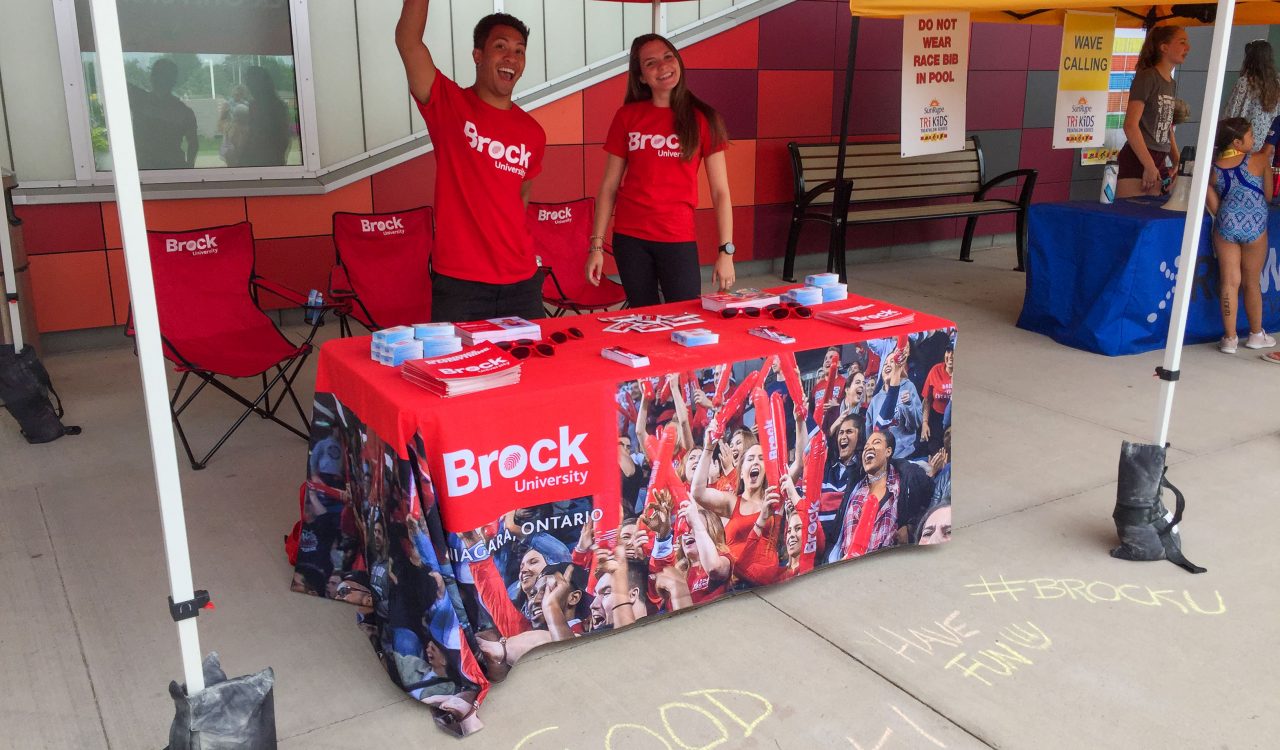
point(457, 525)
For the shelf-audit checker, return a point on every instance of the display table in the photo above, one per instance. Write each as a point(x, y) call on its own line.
point(469, 530)
point(1101, 278)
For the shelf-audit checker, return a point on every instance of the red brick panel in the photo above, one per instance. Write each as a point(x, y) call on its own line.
point(800, 36)
point(879, 44)
point(407, 185)
point(996, 99)
point(733, 94)
point(176, 216)
point(709, 234)
point(70, 291)
point(738, 47)
point(1046, 48)
point(561, 179)
point(999, 46)
point(306, 215)
point(62, 228)
point(1037, 152)
point(599, 104)
point(794, 103)
point(301, 263)
point(561, 119)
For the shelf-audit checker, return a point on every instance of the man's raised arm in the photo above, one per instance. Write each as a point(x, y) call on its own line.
point(419, 67)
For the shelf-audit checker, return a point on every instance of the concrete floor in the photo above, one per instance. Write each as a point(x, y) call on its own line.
point(1021, 633)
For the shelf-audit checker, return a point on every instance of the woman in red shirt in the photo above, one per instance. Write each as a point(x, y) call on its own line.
point(650, 187)
point(937, 394)
point(702, 553)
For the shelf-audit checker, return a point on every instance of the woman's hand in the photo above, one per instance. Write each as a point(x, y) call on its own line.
point(587, 539)
point(1150, 177)
point(689, 512)
point(789, 488)
point(595, 266)
point(723, 275)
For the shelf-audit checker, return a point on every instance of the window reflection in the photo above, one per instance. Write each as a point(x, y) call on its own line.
point(211, 83)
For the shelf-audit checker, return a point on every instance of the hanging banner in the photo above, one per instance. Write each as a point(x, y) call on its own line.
point(935, 78)
point(1084, 75)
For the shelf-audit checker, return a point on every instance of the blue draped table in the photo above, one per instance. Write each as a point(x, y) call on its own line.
point(1101, 277)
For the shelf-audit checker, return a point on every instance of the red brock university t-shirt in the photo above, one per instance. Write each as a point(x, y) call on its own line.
point(483, 157)
point(659, 191)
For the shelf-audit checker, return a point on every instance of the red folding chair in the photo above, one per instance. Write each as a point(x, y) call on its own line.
point(383, 273)
point(561, 237)
point(212, 327)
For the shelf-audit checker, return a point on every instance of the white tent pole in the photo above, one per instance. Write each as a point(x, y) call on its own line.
point(155, 386)
point(657, 17)
point(1195, 212)
point(11, 284)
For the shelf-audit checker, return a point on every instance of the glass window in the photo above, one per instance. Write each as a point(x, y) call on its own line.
point(211, 83)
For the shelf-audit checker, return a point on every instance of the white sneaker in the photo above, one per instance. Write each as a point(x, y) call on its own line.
point(1228, 344)
point(1260, 340)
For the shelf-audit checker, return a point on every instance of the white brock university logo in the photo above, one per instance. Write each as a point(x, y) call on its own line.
point(204, 246)
point(392, 225)
point(559, 217)
point(517, 155)
point(465, 471)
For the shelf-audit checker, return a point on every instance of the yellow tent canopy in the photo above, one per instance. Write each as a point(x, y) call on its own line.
point(1233, 13)
point(1247, 13)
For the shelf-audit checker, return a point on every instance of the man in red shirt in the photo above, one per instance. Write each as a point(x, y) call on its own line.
point(487, 151)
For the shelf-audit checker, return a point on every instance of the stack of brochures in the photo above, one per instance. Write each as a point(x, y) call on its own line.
point(473, 369)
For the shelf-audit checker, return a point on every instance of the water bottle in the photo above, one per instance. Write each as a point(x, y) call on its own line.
point(314, 301)
point(1110, 174)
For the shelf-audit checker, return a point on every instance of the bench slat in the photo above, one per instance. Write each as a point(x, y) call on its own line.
point(914, 191)
point(881, 150)
point(935, 211)
point(828, 166)
point(872, 178)
point(880, 160)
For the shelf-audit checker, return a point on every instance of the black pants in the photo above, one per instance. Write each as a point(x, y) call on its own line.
point(457, 300)
point(645, 267)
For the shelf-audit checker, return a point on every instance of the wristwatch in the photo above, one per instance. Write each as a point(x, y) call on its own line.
point(727, 248)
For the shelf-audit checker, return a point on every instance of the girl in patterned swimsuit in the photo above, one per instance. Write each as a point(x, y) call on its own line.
point(1238, 201)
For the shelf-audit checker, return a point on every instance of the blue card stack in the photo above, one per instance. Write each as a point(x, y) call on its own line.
point(835, 292)
point(437, 338)
point(695, 337)
point(805, 295)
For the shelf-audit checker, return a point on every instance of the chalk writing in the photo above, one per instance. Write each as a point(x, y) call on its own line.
point(921, 641)
point(1093, 592)
point(686, 725)
point(1002, 660)
point(947, 636)
point(683, 725)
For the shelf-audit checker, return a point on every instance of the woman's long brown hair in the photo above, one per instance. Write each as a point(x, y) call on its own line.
point(1149, 56)
point(683, 102)
point(1259, 69)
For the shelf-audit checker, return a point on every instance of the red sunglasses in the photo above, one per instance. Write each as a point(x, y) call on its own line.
point(561, 337)
point(525, 348)
point(779, 312)
point(733, 312)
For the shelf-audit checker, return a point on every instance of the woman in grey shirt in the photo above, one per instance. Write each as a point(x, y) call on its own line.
point(1149, 160)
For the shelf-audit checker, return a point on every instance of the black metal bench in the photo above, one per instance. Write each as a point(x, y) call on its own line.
point(877, 174)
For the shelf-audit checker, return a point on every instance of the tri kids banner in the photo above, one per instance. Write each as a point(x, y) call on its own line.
point(935, 77)
point(1080, 117)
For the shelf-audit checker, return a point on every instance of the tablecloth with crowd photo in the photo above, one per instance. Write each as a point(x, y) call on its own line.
point(469, 531)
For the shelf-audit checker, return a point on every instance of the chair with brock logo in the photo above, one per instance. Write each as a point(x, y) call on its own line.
point(212, 327)
point(383, 275)
point(561, 238)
